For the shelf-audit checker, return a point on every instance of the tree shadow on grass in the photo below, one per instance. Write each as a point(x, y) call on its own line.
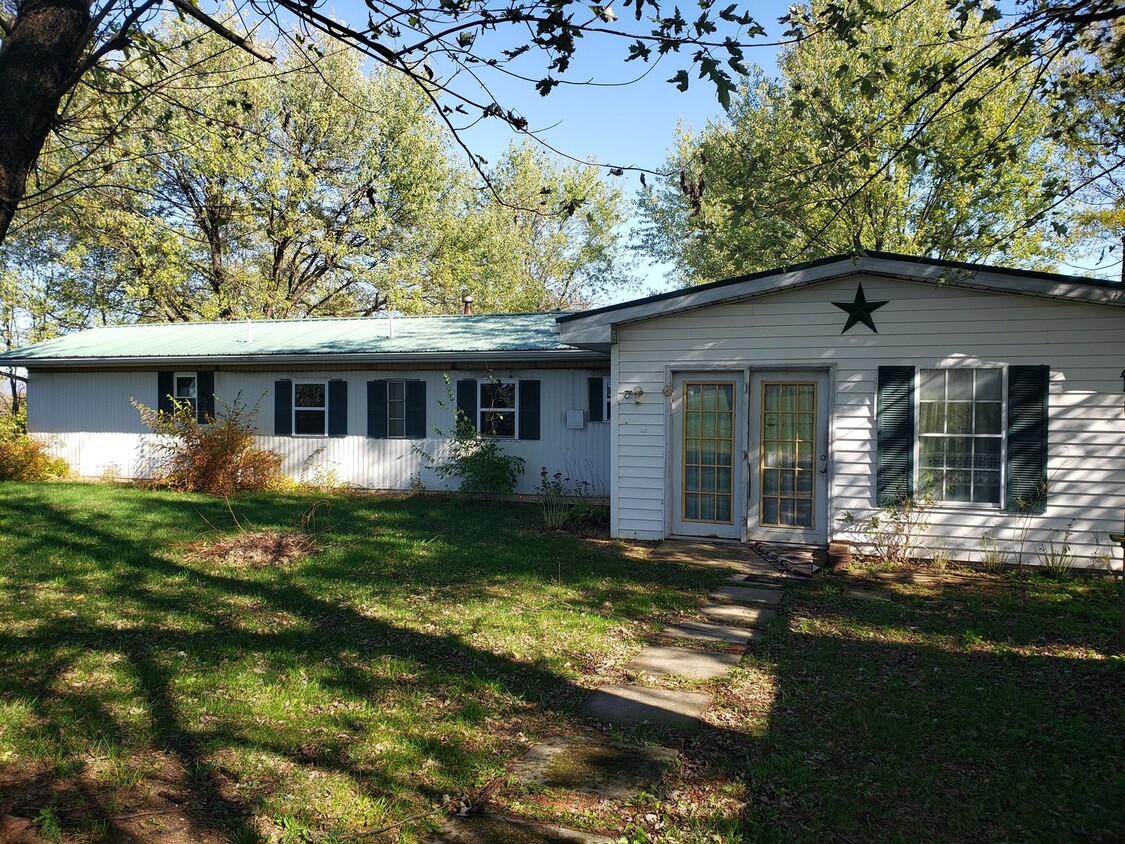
point(131, 650)
point(902, 720)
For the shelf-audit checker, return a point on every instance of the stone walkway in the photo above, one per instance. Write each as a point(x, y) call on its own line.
point(621, 771)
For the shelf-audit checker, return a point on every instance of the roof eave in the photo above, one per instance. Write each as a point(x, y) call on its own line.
point(375, 358)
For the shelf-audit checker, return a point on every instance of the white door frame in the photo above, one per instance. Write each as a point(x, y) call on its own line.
point(675, 524)
point(824, 378)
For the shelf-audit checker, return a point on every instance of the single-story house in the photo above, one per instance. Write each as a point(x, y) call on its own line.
point(760, 408)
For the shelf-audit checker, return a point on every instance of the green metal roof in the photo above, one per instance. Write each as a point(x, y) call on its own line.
point(401, 338)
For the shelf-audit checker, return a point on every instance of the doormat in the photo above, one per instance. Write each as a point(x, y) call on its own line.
point(789, 562)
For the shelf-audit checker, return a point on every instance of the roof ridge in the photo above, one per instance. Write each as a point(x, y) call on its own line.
point(287, 320)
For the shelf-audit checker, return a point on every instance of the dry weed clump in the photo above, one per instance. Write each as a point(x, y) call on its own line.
point(255, 549)
point(258, 549)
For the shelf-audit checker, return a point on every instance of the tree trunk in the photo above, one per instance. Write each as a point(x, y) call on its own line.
point(37, 59)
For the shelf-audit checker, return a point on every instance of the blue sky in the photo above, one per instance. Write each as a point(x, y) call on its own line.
point(631, 123)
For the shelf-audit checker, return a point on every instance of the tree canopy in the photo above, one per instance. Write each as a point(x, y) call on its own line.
point(305, 188)
point(822, 161)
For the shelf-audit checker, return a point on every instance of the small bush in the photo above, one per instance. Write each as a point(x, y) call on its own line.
point(13, 425)
point(480, 464)
point(894, 534)
point(993, 556)
point(1057, 556)
point(218, 458)
point(564, 502)
point(554, 499)
point(25, 458)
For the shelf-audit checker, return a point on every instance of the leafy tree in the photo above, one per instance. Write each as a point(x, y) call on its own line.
point(547, 236)
point(50, 46)
point(309, 188)
point(263, 192)
point(803, 167)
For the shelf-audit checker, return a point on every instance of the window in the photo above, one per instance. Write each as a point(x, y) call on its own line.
point(497, 408)
point(310, 408)
point(396, 408)
point(961, 434)
point(599, 399)
point(501, 408)
point(184, 390)
point(196, 389)
point(977, 436)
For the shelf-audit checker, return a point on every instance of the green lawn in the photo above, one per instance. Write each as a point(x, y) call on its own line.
point(430, 642)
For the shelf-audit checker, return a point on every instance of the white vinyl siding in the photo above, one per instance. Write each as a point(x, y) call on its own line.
point(89, 420)
point(923, 326)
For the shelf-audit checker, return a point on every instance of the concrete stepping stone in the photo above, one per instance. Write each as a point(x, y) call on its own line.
point(865, 595)
point(496, 829)
point(608, 769)
point(747, 595)
point(711, 632)
point(632, 705)
point(687, 662)
point(763, 581)
point(738, 615)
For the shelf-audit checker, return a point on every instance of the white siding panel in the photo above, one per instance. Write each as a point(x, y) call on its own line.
point(89, 419)
point(922, 326)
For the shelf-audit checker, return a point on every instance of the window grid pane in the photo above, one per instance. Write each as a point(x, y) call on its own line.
point(708, 452)
point(960, 428)
point(184, 391)
point(310, 409)
point(498, 409)
point(788, 443)
point(396, 408)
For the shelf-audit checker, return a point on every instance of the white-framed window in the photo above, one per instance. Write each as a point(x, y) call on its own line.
point(961, 435)
point(310, 408)
point(185, 390)
point(396, 408)
point(497, 413)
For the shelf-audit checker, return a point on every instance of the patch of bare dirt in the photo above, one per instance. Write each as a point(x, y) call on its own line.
point(159, 805)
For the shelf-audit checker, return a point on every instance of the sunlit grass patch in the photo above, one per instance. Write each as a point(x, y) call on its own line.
point(417, 651)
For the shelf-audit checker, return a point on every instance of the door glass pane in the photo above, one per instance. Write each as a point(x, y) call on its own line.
point(708, 449)
point(788, 446)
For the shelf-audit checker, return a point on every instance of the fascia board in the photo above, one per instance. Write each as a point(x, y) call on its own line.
point(326, 360)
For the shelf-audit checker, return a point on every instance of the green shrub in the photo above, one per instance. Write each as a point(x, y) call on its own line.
point(554, 499)
point(480, 464)
point(217, 458)
point(13, 424)
point(565, 502)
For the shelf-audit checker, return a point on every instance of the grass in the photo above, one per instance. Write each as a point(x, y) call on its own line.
point(427, 644)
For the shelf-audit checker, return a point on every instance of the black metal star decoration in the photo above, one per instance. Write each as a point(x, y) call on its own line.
point(859, 310)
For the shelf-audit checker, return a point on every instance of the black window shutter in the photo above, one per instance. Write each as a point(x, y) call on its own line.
point(337, 408)
point(595, 397)
point(164, 387)
point(467, 400)
point(205, 390)
point(283, 407)
point(894, 427)
point(416, 409)
point(377, 409)
point(1028, 388)
point(528, 410)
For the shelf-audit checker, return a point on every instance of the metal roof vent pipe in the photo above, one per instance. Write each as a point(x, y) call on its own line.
point(467, 304)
